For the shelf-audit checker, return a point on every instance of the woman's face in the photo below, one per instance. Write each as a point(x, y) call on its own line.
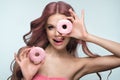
point(55, 38)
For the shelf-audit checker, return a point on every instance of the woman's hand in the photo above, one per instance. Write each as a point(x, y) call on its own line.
point(27, 67)
point(79, 30)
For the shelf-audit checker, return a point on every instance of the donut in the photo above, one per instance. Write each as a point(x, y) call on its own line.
point(64, 26)
point(36, 55)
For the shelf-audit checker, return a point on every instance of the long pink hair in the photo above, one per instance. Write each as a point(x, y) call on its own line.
point(37, 35)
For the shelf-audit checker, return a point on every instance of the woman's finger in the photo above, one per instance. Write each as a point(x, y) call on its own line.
point(16, 58)
point(70, 10)
point(82, 15)
point(27, 52)
point(71, 19)
point(24, 53)
point(73, 14)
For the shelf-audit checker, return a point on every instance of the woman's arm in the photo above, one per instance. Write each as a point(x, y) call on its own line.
point(105, 62)
point(109, 45)
point(102, 63)
point(97, 64)
point(79, 32)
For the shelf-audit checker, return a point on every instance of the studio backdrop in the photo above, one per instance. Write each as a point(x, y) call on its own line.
point(102, 18)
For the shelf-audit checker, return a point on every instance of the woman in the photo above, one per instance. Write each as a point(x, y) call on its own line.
point(61, 62)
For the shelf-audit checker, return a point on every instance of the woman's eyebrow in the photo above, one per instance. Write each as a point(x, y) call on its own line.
point(49, 25)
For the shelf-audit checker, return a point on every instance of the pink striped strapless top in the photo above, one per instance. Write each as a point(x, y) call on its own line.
point(42, 77)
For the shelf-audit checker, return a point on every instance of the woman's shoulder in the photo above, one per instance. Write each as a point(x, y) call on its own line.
point(80, 61)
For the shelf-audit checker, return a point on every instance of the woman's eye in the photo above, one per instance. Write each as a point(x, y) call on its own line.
point(50, 27)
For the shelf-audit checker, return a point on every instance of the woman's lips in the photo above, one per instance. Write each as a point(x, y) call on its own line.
point(58, 41)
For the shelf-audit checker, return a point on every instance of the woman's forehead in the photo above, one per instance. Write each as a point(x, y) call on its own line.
point(55, 18)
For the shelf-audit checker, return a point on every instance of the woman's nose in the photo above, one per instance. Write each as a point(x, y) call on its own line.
point(57, 33)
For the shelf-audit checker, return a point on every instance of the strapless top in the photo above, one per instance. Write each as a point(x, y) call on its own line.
point(42, 77)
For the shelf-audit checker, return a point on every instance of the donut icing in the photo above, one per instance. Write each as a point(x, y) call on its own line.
point(64, 26)
point(36, 55)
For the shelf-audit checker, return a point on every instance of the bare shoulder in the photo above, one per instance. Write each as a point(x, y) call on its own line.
point(91, 65)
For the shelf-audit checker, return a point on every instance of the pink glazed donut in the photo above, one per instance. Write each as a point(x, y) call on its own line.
point(64, 26)
point(36, 55)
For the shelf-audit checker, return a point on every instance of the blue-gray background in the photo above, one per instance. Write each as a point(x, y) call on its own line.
point(102, 18)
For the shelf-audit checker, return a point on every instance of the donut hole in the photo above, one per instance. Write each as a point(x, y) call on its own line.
point(37, 54)
point(64, 26)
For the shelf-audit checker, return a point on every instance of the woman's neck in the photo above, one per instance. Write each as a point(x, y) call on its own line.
point(55, 52)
